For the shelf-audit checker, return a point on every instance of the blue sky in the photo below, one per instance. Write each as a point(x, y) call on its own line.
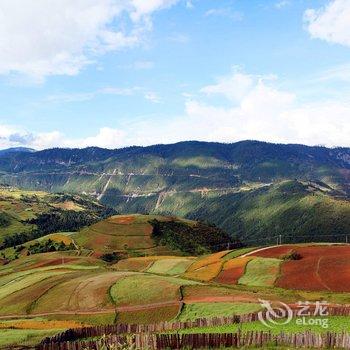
point(116, 73)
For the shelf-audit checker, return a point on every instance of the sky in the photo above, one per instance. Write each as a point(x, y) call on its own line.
point(115, 73)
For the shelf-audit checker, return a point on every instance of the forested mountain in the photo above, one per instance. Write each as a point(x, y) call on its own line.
point(208, 181)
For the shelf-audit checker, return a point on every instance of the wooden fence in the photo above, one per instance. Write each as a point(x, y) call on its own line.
point(208, 341)
point(149, 337)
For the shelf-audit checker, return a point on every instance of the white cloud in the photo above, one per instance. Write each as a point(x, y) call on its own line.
point(233, 87)
point(281, 4)
point(337, 73)
point(106, 137)
point(142, 8)
point(40, 38)
point(258, 110)
point(179, 38)
point(152, 96)
point(137, 65)
point(86, 96)
point(331, 23)
point(224, 12)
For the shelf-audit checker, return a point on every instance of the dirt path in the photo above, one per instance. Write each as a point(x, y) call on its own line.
point(318, 276)
point(259, 250)
point(222, 299)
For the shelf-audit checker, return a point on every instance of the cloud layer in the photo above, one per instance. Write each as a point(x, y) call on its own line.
point(256, 108)
point(40, 38)
point(331, 23)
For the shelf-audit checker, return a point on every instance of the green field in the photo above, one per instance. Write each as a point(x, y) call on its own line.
point(170, 266)
point(147, 289)
point(261, 272)
point(191, 312)
point(24, 337)
point(335, 324)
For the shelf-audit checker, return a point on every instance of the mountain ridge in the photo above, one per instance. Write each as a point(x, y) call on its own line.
point(192, 179)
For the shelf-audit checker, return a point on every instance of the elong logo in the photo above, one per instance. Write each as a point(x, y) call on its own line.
point(306, 314)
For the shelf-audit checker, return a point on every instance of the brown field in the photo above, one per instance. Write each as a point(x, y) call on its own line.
point(85, 293)
point(24, 301)
point(122, 233)
point(336, 273)
point(68, 205)
point(152, 315)
point(207, 260)
point(233, 270)
point(41, 324)
point(274, 252)
point(123, 219)
point(320, 268)
point(205, 273)
point(134, 264)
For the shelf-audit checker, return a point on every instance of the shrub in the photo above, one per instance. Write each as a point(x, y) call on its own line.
point(112, 257)
point(293, 255)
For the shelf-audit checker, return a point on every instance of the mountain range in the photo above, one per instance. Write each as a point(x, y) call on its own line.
point(254, 190)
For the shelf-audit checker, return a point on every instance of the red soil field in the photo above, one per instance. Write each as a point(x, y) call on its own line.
point(125, 220)
point(274, 252)
point(54, 262)
point(233, 270)
point(336, 273)
point(320, 268)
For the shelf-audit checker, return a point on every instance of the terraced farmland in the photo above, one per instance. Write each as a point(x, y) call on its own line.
point(125, 233)
point(68, 287)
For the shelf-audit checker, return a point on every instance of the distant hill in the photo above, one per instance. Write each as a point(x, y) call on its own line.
point(26, 215)
point(12, 150)
point(291, 211)
point(226, 184)
point(138, 235)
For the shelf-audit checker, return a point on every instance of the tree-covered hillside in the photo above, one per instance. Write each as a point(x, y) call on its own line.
point(240, 186)
point(25, 215)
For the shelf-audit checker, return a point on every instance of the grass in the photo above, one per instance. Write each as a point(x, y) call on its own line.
point(335, 324)
point(146, 289)
point(192, 312)
point(238, 252)
point(172, 266)
point(24, 337)
point(261, 272)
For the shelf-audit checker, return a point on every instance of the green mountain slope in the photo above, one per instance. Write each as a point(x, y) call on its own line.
point(235, 186)
point(25, 215)
point(297, 212)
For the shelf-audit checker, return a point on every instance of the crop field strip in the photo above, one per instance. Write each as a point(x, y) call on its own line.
point(156, 289)
point(170, 266)
point(88, 293)
point(233, 270)
point(261, 272)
